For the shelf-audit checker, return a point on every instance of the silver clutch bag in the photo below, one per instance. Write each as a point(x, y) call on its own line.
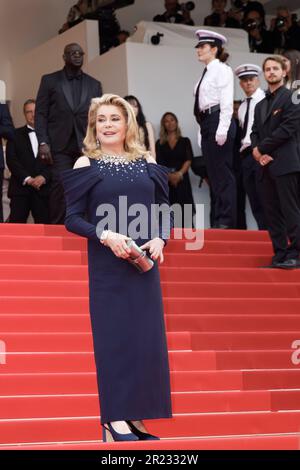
point(138, 258)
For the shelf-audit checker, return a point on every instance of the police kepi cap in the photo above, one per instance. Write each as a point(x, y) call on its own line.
point(247, 70)
point(205, 36)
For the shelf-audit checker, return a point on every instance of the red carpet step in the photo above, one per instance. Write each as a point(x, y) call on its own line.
point(232, 330)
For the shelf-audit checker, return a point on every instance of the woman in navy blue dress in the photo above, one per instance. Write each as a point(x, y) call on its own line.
point(109, 195)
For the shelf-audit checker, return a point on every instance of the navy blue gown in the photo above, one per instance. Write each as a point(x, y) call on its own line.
point(125, 306)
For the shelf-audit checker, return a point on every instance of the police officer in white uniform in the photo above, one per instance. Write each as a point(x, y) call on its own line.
point(213, 111)
point(248, 75)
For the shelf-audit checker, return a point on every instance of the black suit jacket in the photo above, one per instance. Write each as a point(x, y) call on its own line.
point(56, 116)
point(6, 129)
point(276, 132)
point(22, 163)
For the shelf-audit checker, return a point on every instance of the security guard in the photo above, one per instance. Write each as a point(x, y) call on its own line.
point(248, 75)
point(213, 111)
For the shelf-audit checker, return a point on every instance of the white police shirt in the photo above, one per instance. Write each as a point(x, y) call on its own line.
point(217, 88)
point(256, 98)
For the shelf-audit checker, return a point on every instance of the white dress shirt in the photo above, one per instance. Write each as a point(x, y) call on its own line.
point(34, 141)
point(217, 88)
point(35, 145)
point(256, 98)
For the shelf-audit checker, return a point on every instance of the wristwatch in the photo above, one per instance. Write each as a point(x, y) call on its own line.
point(104, 236)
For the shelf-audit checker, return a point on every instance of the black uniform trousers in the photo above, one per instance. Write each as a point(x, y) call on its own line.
point(251, 172)
point(281, 201)
point(219, 164)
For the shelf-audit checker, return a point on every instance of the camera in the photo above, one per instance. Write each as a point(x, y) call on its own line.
point(280, 22)
point(155, 39)
point(189, 6)
point(238, 5)
point(250, 25)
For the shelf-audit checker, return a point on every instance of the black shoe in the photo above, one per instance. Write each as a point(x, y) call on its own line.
point(289, 264)
point(143, 436)
point(270, 266)
point(110, 435)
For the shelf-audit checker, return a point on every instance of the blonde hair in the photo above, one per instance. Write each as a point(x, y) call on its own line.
point(163, 133)
point(132, 145)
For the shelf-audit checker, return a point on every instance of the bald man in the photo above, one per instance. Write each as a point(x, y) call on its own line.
point(61, 118)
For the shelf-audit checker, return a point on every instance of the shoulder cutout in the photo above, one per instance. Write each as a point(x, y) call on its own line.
point(150, 159)
point(82, 162)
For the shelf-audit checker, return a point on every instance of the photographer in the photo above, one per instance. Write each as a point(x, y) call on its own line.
point(220, 18)
point(77, 13)
point(176, 13)
point(286, 31)
point(260, 40)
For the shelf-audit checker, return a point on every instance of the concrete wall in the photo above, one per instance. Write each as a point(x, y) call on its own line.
point(25, 24)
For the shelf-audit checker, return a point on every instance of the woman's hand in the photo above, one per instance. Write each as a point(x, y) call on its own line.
point(175, 178)
point(155, 247)
point(117, 243)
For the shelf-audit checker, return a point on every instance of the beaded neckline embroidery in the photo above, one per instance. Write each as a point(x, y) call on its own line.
point(117, 159)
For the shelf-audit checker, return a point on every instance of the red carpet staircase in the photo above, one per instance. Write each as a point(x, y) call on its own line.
point(230, 330)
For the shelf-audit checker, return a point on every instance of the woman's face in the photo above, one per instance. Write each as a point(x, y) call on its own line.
point(206, 53)
point(111, 126)
point(288, 65)
point(135, 107)
point(170, 123)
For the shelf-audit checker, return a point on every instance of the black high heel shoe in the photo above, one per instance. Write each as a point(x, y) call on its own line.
point(143, 436)
point(117, 437)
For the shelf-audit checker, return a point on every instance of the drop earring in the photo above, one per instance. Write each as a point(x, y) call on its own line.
point(98, 143)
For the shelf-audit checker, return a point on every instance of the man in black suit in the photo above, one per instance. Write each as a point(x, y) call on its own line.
point(61, 118)
point(28, 188)
point(275, 142)
point(6, 132)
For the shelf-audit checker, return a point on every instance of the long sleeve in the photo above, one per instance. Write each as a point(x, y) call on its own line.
point(188, 150)
point(254, 136)
point(159, 174)
point(14, 164)
point(6, 124)
point(77, 184)
point(288, 127)
point(42, 112)
point(226, 100)
point(43, 169)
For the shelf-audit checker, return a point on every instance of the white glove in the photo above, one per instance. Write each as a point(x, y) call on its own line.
point(221, 139)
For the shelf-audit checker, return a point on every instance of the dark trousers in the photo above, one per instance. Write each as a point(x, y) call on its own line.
point(250, 169)
point(1, 194)
point(21, 206)
point(282, 209)
point(219, 164)
point(241, 223)
point(57, 205)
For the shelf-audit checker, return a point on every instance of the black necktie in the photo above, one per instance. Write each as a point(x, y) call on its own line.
point(30, 130)
point(196, 106)
point(245, 126)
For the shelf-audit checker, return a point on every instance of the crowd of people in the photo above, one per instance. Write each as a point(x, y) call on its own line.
point(282, 34)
